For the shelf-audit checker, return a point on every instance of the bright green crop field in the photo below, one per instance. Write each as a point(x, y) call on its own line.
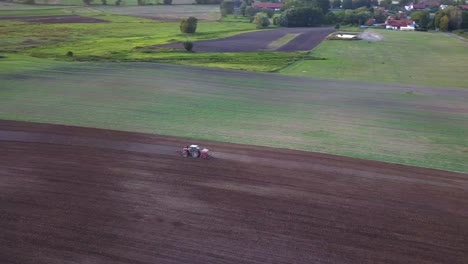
point(128, 38)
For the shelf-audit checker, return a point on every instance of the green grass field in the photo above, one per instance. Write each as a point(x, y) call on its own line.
point(128, 38)
point(425, 128)
point(422, 58)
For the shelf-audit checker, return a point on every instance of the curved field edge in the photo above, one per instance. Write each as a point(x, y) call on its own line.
point(103, 196)
point(411, 125)
point(420, 58)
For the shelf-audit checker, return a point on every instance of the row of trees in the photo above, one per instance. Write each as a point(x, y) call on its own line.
point(350, 17)
point(324, 5)
point(358, 16)
point(307, 16)
point(448, 19)
point(309, 13)
point(306, 13)
point(295, 13)
point(354, 4)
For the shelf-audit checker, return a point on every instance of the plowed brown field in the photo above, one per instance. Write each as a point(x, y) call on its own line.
point(307, 39)
point(82, 195)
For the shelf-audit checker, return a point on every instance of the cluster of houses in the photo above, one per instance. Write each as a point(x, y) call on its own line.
point(395, 24)
point(423, 5)
point(429, 5)
point(391, 22)
point(408, 24)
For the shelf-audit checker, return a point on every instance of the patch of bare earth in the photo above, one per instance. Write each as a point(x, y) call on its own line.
point(370, 35)
point(55, 19)
point(81, 195)
point(307, 39)
point(171, 13)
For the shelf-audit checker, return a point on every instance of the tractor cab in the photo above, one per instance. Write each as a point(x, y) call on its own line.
point(195, 152)
point(192, 150)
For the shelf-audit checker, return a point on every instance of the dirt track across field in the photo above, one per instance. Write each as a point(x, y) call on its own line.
point(55, 19)
point(307, 39)
point(81, 195)
point(171, 13)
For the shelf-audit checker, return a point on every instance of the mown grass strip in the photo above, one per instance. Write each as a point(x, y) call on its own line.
point(281, 41)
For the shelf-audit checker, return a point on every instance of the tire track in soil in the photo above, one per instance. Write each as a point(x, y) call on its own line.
point(31, 137)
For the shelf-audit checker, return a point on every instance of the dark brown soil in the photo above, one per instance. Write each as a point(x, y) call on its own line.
point(259, 41)
point(80, 195)
point(55, 19)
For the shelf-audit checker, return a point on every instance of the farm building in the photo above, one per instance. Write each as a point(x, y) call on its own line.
point(392, 23)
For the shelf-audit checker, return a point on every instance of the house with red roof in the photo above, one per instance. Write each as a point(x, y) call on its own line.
point(393, 23)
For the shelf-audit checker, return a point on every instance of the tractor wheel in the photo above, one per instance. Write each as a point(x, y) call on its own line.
point(184, 153)
point(196, 153)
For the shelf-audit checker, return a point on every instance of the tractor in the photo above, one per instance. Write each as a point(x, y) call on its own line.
point(195, 152)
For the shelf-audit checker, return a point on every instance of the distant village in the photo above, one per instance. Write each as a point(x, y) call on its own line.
point(397, 14)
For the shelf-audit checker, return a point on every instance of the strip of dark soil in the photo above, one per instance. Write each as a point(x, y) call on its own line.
point(55, 19)
point(82, 195)
point(259, 41)
point(307, 40)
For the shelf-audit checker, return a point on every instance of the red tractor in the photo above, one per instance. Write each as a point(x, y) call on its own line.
point(195, 152)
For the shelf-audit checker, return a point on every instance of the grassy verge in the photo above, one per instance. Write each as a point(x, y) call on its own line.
point(13, 64)
point(253, 61)
point(36, 12)
point(462, 33)
point(422, 58)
